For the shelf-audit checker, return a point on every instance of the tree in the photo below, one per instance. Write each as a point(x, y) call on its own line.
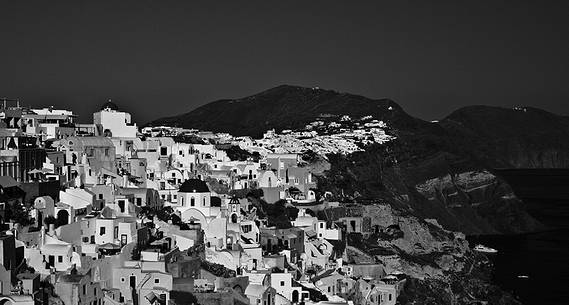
point(17, 213)
point(175, 219)
point(183, 297)
point(165, 213)
point(292, 212)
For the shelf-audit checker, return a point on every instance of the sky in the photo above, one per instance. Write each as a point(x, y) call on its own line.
point(162, 58)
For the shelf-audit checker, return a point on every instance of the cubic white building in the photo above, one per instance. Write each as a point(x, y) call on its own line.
point(116, 124)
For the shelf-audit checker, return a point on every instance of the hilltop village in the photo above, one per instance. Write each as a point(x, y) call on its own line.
point(110, 213)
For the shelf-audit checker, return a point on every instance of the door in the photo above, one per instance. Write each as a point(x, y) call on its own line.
point(51, 260)
point(295, 296)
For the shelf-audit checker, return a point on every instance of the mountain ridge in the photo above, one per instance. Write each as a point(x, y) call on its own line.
point(491, 136)
point(284, 107)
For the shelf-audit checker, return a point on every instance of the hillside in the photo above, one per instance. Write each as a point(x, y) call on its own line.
point(523, 137)
point(493, 136)
point(286, 107)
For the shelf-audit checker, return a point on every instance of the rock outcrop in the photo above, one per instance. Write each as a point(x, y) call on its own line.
point(439, 263)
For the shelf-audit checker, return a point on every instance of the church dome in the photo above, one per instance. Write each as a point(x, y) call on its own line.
point(194, 186)
point(110, 105)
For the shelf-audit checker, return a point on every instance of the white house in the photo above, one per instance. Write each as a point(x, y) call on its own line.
point(115, 123)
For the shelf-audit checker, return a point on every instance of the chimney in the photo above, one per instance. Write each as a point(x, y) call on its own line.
point(51, 229)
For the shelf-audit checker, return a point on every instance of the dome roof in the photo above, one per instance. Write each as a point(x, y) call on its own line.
point(194, 186)
point(110, 105)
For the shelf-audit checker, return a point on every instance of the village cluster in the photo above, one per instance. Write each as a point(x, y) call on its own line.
point(108, 213)
point(327, 135)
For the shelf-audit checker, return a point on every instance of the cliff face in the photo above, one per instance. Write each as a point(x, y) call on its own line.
point(440, 266)
point(478, 203)
point(460, 196)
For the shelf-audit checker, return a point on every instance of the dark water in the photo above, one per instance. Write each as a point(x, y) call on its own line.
point(544, 257)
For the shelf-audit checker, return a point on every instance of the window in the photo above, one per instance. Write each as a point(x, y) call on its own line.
point(84, 289)
point(60, 259)
point(329, 290)
point(102, 231)
point(204, 202)
point(321, 225)
point(163, 151)
point(138, 201)
point(95, 291)
point(122, 279)
point(85, 239)
point(173, 175)
point(282, 283)
point(156, 281)
point(192, 201)
point(100, 196)
point(116, 232)
point(246, 228)
point(106, 152)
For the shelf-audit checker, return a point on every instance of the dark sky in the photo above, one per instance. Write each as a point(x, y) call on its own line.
point(159, 58)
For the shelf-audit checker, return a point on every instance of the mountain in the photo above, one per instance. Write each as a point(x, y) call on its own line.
point(442, 170)
point(523, 137)
point(286, 107)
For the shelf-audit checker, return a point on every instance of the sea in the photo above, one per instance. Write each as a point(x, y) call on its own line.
point(535, 267)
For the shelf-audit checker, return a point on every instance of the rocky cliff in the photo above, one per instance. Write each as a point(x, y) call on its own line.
point(440, 266)
point(460, 196)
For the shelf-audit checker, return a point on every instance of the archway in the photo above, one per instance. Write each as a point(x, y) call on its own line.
point(4, 300)
point(234, 218)
point(295, 296)
point(62, 217)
